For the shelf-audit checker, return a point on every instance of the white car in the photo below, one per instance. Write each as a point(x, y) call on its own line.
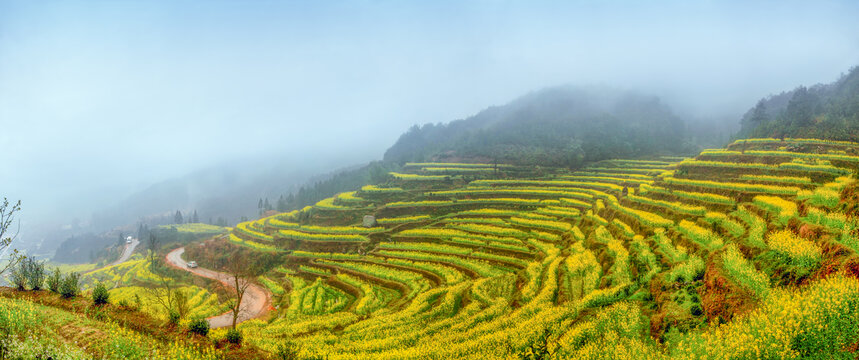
point(192, 264)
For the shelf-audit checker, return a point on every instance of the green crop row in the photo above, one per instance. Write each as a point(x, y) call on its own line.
point(561, 212)
point(792, 140)
point(457, 165)
point(280, 224)
point(429, 247)
point(671, 205)
point(372, 297)
point(413, 280)
point(646, 257)
point(490, 201)
point(687, 271)
point(623, 170)
point(779, 179)
point(619, 271)
point(744, 273)
point(825, 168)
point(783, 209)
point(414, 177)
point(490, 230)
point(701, 236)
point(513, 191)
point(795, 155)
point(771, 189)
point(734, 228)
point(477, 220)
point(623, 228)
point(483, 269)
point(489, 244)
point(726, 165)
point(298, 235)
point(598, 173)
point(243, 229)
point(596, 219)
point(541, 224)
point(457, 170)
point(251, 244)
point(402, 219)
point(608, 179)
point(705, 197)
point(644, 217)
point(799, 252)
point(674, 254)
point(340, 229)
point(373, 189)
point(757, 226)
point(558, 183)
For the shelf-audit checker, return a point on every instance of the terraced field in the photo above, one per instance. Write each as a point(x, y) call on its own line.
point(131, 282)
point(744, 252)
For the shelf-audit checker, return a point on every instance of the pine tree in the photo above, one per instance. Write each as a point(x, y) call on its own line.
point(195, 218)
point(177, 219)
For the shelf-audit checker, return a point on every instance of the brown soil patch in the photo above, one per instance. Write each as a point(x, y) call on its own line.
point(720, 298)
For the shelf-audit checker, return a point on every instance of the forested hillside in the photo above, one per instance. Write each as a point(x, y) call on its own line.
point(562, 126)
point(825, 111)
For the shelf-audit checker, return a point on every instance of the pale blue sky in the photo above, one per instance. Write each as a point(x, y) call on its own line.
point(91, 92)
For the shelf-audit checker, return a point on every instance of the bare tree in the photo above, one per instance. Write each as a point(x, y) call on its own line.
point(239, 270)
point(153, 245)
point(7, 216)
point(162, 290)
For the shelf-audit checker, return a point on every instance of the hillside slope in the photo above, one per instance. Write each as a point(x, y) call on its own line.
point(639, 258)
point(562, 126)
point(823, 111)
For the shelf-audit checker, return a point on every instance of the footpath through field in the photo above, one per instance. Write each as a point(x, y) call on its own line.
point(254, 304)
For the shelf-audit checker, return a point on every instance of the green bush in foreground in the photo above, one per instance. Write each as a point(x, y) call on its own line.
point(100, 294)
point(70, 286)
point(55, 280)
point(199, 327)
point(234, 336)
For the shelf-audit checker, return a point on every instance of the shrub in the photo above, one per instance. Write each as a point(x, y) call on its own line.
point(173, 317)
point(100, 294)
point(55, 280)
point(19, 278)
point(34, 271)
point(180, 299)
point(70, 285)
point(287, 350)
point(234, 336)
point(199, 326)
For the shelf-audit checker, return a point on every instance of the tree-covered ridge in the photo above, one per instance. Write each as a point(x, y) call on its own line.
point(562, 126)
point(823, 111)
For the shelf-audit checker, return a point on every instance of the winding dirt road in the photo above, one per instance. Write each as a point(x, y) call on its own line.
point(254, 304)
point(126, 254)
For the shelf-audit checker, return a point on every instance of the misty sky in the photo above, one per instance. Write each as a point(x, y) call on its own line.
point(98, 99)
